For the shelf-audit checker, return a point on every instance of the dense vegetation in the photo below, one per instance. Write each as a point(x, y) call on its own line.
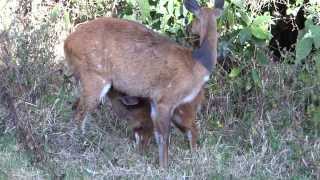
point(261, 118)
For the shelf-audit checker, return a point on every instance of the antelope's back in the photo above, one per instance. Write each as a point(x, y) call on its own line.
point(127, 52)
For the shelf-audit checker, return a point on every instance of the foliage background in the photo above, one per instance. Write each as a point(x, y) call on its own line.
point(261, 118)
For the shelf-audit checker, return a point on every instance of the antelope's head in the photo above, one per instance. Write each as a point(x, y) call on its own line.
point(205, 22)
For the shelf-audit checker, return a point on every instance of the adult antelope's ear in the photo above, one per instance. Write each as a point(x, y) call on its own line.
point(218, 5)
point(192, 6)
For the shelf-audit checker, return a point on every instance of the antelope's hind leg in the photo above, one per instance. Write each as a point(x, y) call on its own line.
point(94, 88)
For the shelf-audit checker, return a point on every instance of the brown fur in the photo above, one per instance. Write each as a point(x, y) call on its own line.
point(139, 62)
point(137, 115)
point(139, 119)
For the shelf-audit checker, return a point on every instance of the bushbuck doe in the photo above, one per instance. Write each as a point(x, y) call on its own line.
point(139, 62)
point(137, 112)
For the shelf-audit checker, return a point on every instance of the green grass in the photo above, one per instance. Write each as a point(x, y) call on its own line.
point(15, 163)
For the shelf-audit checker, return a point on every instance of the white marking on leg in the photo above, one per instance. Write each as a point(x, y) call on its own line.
point(153, 111)
point(189, 135)
point(104, 91)
point(160, 142)
point(199, 107)
point(158, 137)
point(137, 137)
point(177, 119)
point(161, 151)
point(206, 78)
point(191, 96)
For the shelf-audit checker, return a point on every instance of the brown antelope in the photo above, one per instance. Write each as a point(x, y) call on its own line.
point(139, 62)
point(137, 112)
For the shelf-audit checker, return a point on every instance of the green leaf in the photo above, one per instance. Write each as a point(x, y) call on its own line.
point(316, 115)
point(170, 7)
point(238, 3)
point(160, 8)
point(262, 58)
point(302, 33)
point(260, 33)
point(245, 18)
point(55, 11)
point(315, 31)
point(144, 7)
point(177, 11)
point(303, 48)
point(66, 18)
point(164, 23)
point(234, 72)
point(260, 27)
point(293, 10)
point(245, 35)
point(184, 11)
point(132, 1)
point(230, 17)
point(317, 60)
point(129, 17)
point(308, 23)
point(256, 77)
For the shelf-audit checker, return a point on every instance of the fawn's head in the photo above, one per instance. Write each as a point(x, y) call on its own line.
point(205, 22)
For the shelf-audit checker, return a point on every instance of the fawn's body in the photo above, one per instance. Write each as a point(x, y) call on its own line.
point(138, 116)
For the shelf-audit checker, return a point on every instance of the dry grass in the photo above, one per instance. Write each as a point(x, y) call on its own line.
point(260, 134)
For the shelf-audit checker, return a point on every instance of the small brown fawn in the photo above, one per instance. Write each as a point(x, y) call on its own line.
point(137, 112)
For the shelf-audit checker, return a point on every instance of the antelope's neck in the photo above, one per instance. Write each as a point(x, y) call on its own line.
point(206, 55)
